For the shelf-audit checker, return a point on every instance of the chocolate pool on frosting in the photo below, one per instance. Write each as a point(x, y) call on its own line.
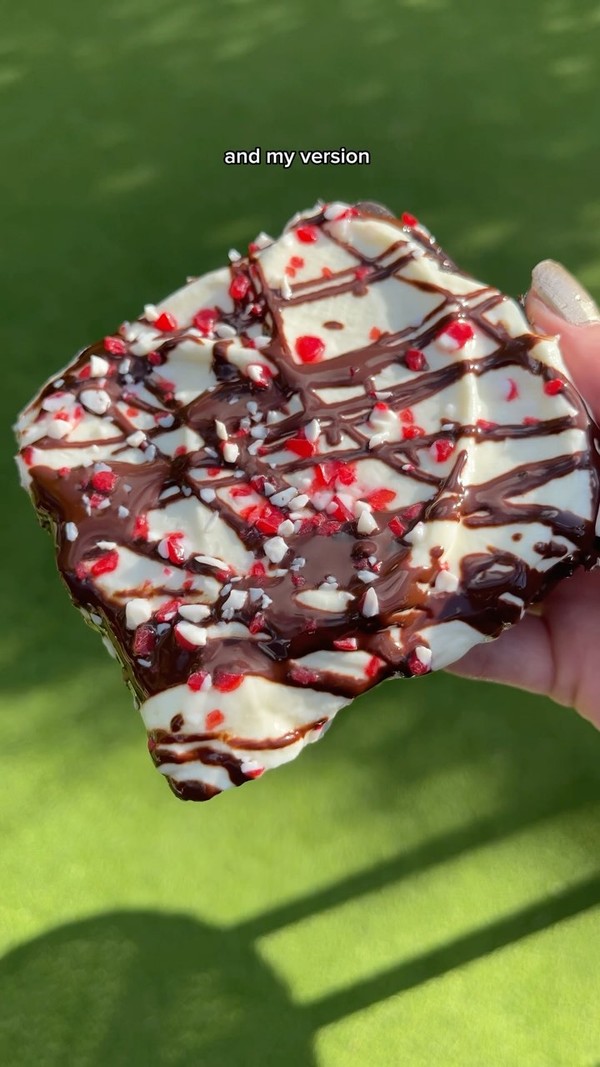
point(336, 460)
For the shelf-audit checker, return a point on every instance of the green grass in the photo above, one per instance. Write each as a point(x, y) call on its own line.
point(424, 887)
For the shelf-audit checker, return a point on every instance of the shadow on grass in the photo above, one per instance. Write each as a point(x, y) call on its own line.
point(149, 989)
point(155, 989)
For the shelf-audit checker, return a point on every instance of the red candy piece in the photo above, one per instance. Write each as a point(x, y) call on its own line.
point(483, 424)
point(213, 719)
point(414, 359)
point(375, 333)
point(257, 623)
point(226, 681)
point(344, 473)
point(442, 449)
point(165, 322)
point(175, 550)
point(415, 666)
point(300, 446)
point(196, 680)
point(330, 472)
point(140, 528)
point(255, 772)
point(257, 570)
point(263, 374)
point(460, 332)
point(239, 287)
point(380, 498)
point(296, 262)
point(105, 564)
point(183, 642)
point(362, 272)
point(167, 611)
point(373, 667)
point(115, 345)
point(339, 512)
point(414, 511)
point(206, 320)
point(307, 234)
point(397, 527)
point(104, 481)
point(309, 349)
point(411, 431)
point(553, 387)
point(408, 219)
point(346, 644)
point(303, 676)
point(347, 213)
point(265, 517)
point(144, 641)
point(513, 391)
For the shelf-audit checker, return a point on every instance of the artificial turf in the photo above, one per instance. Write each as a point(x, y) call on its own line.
point(424, 886)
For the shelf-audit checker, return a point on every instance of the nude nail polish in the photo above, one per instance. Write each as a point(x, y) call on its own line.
point(563, 294)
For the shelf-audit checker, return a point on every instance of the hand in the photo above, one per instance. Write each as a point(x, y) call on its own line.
point(555, 649)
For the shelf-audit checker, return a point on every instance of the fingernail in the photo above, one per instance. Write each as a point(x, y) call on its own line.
point(563, 294)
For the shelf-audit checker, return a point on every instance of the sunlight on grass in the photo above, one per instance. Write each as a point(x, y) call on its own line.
point(430, 808)
point(128, 181)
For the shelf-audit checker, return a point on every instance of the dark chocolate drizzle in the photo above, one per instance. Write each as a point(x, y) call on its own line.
point(329, 546)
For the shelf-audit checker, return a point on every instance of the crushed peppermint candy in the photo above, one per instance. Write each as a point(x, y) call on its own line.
point(95, 400)
point(190, 636)
point(275, 549)
point(319, 485)
point(194, 612)
point(231, 452)
point(137, 611)
point(370, 604)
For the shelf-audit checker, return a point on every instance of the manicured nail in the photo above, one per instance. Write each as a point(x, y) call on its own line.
point(563, 294)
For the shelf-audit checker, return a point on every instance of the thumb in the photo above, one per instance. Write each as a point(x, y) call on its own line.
point(558, 304)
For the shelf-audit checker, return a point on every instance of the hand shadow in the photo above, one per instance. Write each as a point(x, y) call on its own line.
point(143, 988)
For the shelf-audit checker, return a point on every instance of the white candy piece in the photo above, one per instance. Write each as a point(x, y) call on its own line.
point(231, 452)
point(99, 367)
point(275, 548)
point(370, 604)
point(191, 634)
point(366, 522)
point(137, 611)
point(194, 612)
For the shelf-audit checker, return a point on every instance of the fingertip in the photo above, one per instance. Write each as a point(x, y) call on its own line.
point(563, 294)
point(579, 344)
